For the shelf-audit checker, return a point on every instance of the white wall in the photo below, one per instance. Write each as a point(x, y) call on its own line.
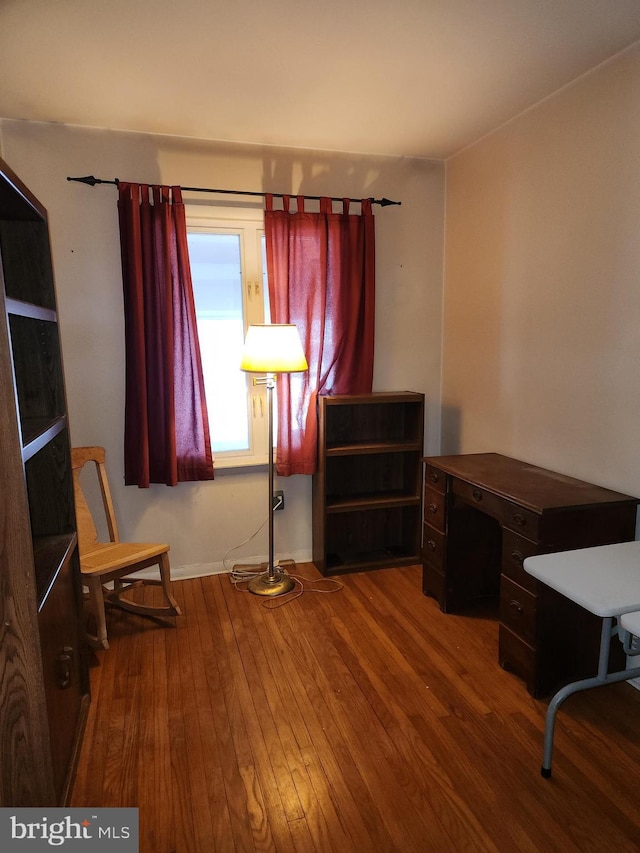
point(202, 521)
point(541, 351)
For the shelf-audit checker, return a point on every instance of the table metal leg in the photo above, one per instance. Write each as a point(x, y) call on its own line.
point(603, 677)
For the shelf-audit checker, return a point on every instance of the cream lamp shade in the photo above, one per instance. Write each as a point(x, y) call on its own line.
point(273, 348)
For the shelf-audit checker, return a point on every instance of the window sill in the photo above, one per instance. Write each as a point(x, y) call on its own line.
point(237, 465)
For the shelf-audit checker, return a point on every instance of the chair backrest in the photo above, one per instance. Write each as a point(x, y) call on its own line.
point(87, 532)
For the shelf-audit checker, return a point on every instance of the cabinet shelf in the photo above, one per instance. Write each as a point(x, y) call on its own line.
point(366, 447)
point(50, 555)
point(349, 561)
point(367, 492)
point(19, 308)
point(357, 503)
point(38, 432)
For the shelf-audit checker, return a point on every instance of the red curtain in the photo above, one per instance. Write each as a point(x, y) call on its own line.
point(166, 425)
point(321, 270)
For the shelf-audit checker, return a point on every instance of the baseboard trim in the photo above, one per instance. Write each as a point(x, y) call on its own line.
point(201, 570)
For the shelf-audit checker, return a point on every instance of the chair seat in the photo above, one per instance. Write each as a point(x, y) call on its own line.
point(102, 562)
point(111, 556)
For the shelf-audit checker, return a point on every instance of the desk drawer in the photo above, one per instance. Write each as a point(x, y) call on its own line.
point(432, 546)
point(515, 549)
point(436, 479)
point(434, 509)
point(518, 610)
point(509, 514)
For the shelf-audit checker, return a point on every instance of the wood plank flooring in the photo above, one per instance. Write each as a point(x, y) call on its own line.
point(363, 720)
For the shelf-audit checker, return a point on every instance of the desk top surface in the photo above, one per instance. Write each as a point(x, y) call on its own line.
point(525, 484)
point(604, 580)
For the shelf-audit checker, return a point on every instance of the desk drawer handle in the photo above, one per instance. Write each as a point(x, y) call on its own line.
point(431, 545)
point(517, 557)
point(519, 519)
point(435, 478)
point(516, 606)
point(477, 495)
point(433, 508)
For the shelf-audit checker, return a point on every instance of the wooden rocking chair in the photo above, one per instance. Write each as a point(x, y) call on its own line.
point(101, 562)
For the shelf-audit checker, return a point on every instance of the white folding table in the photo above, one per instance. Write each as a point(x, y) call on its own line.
point(605, 580)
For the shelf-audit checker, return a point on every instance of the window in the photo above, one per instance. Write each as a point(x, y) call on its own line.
point(228, 269)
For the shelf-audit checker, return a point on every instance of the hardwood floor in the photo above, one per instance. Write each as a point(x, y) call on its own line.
point(364, 720)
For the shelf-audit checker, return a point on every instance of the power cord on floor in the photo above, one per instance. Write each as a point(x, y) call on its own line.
point(305, 586)
point(240, 574)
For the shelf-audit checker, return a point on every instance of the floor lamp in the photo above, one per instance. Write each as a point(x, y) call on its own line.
point(271, 349)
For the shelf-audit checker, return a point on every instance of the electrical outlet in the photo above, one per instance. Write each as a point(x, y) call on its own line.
point(278, 499)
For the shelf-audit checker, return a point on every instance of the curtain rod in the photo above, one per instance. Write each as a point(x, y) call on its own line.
point(91, 181)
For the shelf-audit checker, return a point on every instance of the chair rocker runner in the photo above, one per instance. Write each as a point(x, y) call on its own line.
point(101, 562)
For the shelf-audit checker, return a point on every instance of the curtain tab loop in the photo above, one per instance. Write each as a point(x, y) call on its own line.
point(128, 191)
point(286, 199)
point(160, 194)
point(300, 203)
point(345, 205)
point(365, 205)
point(326, 205)
point(268, 201)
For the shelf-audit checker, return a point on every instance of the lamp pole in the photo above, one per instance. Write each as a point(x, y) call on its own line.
point(271, 382)
point(270, 582)
point(269, 349)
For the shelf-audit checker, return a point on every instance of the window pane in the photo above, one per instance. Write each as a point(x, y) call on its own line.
point(216, 271)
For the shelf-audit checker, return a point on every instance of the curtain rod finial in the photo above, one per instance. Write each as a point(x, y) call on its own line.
point(88, 179)
point(385, 202)
point(92, 181)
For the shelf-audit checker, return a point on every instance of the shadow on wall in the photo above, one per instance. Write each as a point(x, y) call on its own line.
point(314, 174)
point(451, 426)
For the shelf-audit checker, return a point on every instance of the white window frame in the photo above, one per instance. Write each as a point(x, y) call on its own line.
point(248, 223)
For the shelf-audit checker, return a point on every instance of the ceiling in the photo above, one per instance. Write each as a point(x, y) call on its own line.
point(415, 78)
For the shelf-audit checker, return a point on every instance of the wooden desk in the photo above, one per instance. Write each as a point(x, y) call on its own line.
point(606, 582)
point(484, 514)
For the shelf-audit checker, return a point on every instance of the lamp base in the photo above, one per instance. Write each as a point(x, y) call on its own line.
point(276, 584)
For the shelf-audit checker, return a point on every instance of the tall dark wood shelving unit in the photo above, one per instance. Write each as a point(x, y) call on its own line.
point(367, 492)
point(44, 690)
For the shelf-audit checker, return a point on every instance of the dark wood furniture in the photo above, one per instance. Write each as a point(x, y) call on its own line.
point(367, 492)
point(44, 689)
point(483, 515)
